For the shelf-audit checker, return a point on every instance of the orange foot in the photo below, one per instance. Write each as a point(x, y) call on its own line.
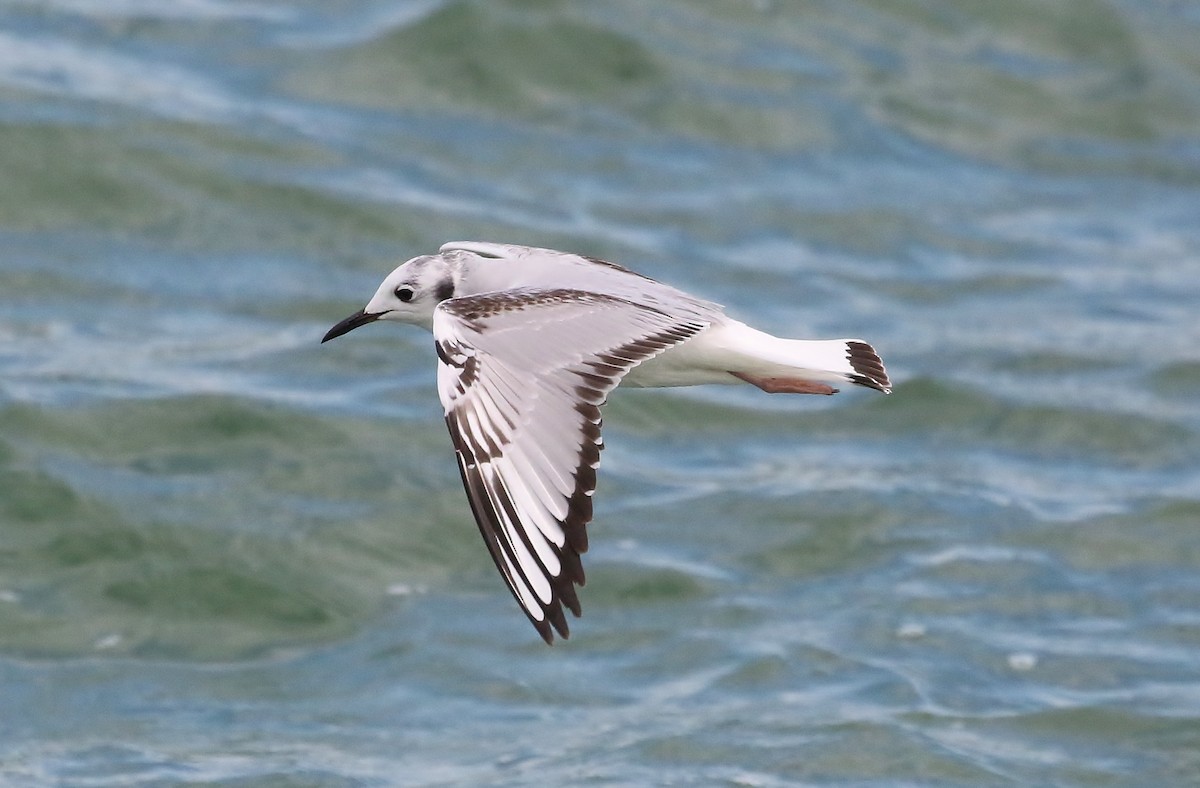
point(785, 385)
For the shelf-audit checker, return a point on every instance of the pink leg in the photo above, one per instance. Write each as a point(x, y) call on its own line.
point(786, 385)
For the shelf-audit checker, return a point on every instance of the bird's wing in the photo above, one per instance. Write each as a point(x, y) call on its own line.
point(526, 266)
point(522, 375)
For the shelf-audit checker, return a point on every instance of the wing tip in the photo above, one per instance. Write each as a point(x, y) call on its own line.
point(553, 622)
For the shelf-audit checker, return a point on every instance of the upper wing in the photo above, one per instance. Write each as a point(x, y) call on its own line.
point(522, 376)
point(575, 272)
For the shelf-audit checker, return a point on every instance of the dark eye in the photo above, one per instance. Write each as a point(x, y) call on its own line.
point(405, 294)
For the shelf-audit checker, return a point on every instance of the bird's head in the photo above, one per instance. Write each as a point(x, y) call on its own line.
point(409, 294)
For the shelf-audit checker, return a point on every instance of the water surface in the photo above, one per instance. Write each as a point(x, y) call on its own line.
point(229, 555)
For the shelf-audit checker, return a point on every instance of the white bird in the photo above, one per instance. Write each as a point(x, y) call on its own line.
point(530, 342)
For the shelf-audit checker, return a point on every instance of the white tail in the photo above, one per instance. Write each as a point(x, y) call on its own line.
point(803, 366)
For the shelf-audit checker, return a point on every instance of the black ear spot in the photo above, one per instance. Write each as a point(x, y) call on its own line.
point(445, 289)
point(405, 294)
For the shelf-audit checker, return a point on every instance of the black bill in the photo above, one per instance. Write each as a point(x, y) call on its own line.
point(359, 318)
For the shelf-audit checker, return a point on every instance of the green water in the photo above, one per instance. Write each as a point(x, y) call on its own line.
point(232, 556)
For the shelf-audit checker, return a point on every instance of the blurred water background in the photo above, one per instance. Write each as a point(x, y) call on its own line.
point(232, 556)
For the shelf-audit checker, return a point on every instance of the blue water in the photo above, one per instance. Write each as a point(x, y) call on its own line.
point(232, 556)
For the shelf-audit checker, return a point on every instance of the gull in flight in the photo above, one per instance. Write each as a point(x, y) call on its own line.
point(529, 343)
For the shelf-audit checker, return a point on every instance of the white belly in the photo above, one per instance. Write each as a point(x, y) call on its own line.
point(663, 371)
point(733, 347)
point(704, 358)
